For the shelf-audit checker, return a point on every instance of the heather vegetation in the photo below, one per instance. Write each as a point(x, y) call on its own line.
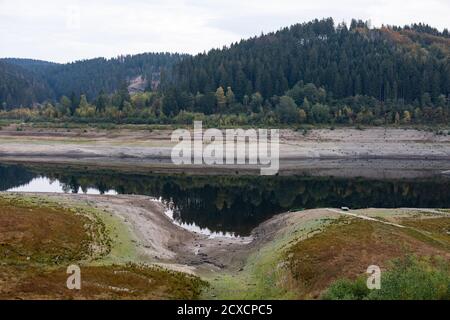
point(408, 279)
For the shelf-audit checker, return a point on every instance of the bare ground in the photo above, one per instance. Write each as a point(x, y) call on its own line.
point(370, 152)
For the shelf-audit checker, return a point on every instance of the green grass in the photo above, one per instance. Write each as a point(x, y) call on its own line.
point(123, 246)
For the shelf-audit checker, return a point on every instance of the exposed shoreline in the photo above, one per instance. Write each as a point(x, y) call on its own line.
point(234, 267)
point(158, 240)
point(341, 152)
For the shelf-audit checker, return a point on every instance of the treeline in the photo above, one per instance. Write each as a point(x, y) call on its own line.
point(91, 77)
point(387, 63)
point(302, 104)
point(21, 87)
point(88, 77)
point(312, 73)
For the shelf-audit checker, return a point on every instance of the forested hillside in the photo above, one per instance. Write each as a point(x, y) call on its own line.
point(89, 77)
point(320, 72)
point(385, 63)
point(315, 72)
point(19, 86)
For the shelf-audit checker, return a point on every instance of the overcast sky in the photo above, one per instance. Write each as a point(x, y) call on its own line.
point(63, 31)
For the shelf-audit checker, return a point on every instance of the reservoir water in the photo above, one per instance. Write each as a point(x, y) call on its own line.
point(233, 205)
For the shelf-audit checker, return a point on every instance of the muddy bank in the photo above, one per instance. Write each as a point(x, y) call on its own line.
point(341, 152)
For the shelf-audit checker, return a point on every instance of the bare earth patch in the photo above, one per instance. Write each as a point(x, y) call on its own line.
point(373, 152)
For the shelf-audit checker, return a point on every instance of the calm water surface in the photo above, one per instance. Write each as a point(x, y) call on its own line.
point(232, 205)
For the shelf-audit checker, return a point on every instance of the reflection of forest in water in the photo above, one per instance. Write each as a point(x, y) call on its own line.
point(239, 203)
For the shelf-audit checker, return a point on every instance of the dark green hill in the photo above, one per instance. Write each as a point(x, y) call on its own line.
point(19, 86)
point(384, 63)
point(88, 77)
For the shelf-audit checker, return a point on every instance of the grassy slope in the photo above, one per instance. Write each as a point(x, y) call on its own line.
point(348, 247)
point(308, 256)
point(40, 238)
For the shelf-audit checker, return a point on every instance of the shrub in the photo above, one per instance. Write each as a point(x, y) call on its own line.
point(407, 279)
point(344, 289)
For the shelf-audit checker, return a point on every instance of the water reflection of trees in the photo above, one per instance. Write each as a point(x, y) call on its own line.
point(237, 204)
point(14, 176)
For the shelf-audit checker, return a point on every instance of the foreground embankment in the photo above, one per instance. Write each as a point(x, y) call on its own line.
point(128, 247)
